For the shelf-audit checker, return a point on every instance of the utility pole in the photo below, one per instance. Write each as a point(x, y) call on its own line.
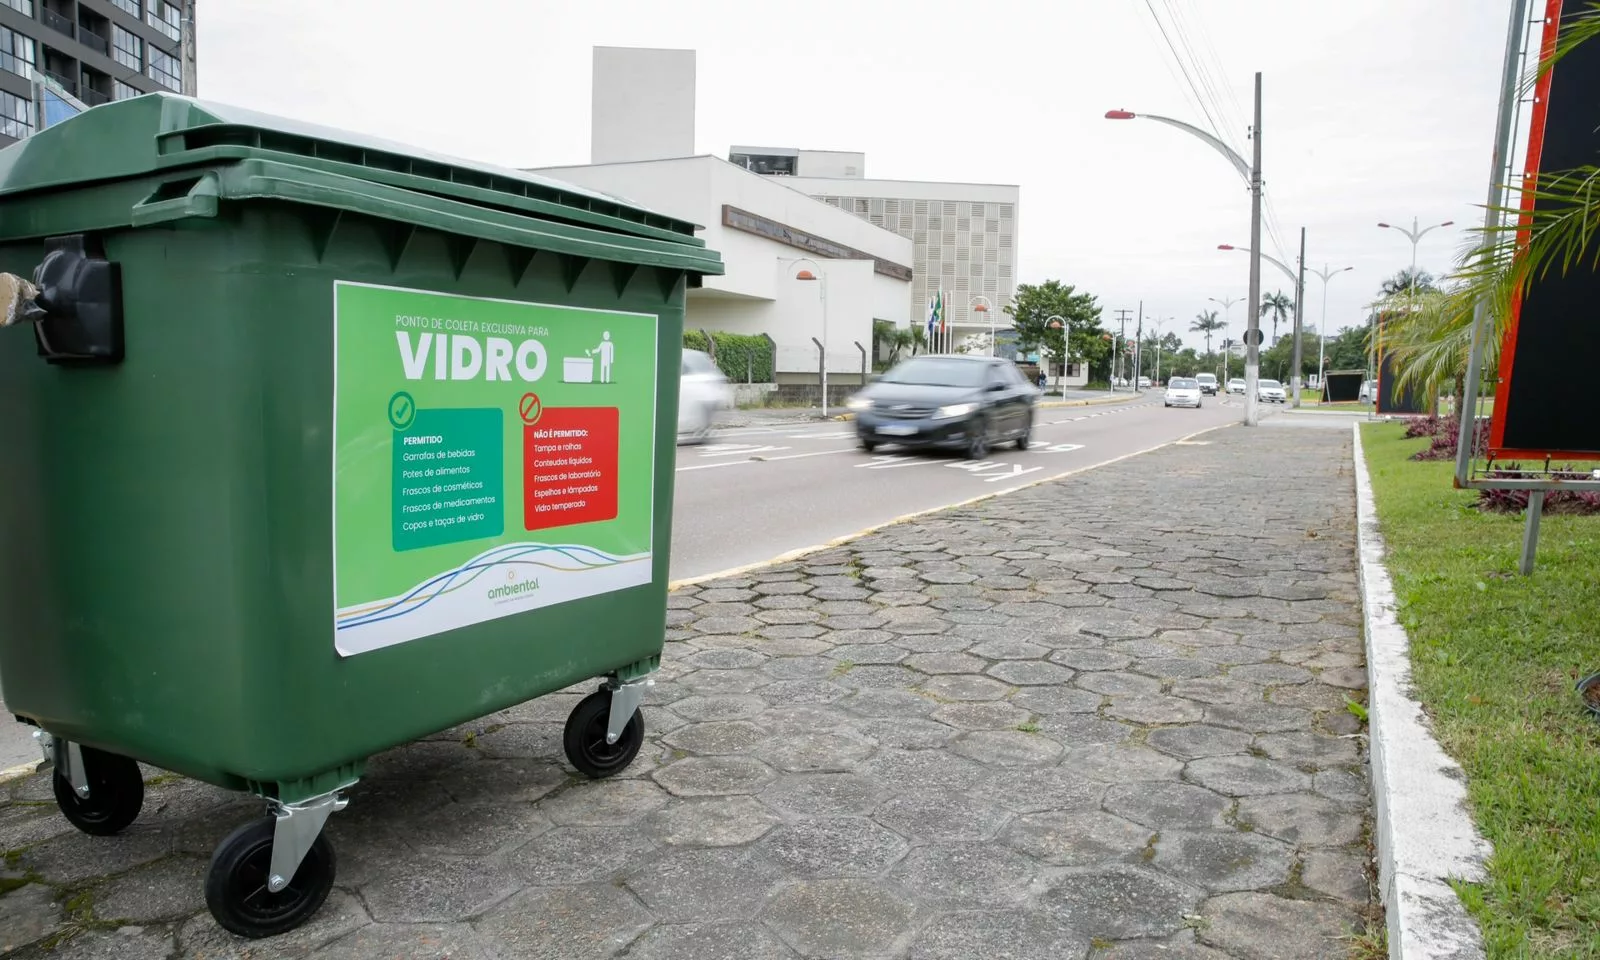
point(1138, 347)
point(1116, 348)
point(1252, 354)
point(1299, 309)
point(190, 82)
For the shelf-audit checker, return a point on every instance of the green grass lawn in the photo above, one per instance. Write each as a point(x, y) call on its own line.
point(1495, 657)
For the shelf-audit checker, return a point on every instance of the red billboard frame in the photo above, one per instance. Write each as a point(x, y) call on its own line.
point(1536, 132)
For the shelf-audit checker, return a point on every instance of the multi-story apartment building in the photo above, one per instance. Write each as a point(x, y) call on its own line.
point(95, 50)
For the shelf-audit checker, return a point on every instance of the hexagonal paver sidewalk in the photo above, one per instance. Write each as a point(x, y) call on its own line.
point(1102, 716)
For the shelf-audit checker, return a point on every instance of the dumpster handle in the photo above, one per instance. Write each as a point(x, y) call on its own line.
point(178, 200)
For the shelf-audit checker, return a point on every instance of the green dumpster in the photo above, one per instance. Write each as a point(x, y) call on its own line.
point(316, 445)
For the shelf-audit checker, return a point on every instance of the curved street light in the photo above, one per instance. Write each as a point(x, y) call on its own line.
point(1327, 274)
point(816, 275)
point(1251, 172)
point(1415, 235)
point(1227, 326)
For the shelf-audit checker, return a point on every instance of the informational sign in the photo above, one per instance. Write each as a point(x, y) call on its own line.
point(490, 457)
point(1541, 402)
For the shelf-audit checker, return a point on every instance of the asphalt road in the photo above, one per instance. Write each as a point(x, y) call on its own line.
point(755, 493)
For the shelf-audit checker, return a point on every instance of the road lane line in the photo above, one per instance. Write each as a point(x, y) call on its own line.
point(796, 554)
point(760, 459)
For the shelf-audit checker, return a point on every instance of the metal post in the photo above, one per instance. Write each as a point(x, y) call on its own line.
point(822, 372)
point(1530, 533)
point(1299, 311)
point(1252, 349)
point(824, 289)
point(863, 362)
point(1466, 441)
point(1322, 338)
point(1138, 346)
point(190, 80)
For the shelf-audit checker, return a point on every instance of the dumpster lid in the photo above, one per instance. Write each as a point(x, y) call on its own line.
point(163, 131)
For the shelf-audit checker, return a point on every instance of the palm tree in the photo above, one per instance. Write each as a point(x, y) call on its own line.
point(1206, 323)
point(1280, 305)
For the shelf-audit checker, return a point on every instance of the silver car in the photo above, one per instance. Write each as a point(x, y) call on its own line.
point(1182, 392)
point(703, 391)
point(1270, 391)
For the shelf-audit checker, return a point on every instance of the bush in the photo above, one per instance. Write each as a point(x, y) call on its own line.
point(738, 356)
point(1445, 432)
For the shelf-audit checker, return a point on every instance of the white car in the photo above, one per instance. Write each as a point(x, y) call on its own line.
point(1236, 385)
point(1182, 392)
point(1207, 382)
point(1144, 383)
point(702, 391)
point(1369, 389)
point(1270, 391)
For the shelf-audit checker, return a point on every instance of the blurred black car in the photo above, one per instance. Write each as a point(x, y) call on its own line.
point(951, 402)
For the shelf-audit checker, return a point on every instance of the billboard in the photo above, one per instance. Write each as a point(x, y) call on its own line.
point(52, 103)
point(1541, 395)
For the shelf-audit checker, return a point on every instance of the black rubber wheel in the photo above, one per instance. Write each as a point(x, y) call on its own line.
point(1025, 441)
point(236, 883)
point(585, 737)
point(116, 794)
point(977, 440)
point(868, 445)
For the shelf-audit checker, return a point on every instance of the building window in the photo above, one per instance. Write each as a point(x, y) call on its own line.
point(130, 7)
point(16, 53)
point(16, 116)
point(128, 48)
point(164, 17)
point(124, 91)
point(164, 69)
point(24, 7)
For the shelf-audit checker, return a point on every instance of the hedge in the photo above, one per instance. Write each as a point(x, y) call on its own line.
point(737, 355)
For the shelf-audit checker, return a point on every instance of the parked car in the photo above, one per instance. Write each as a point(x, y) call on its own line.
point(1369, 390)
point(1270, 391)
point(1182, 392)
point(1144, 383)
point(702, 391)
point(951, 402)
point(1207, 382)
point(1236, 385)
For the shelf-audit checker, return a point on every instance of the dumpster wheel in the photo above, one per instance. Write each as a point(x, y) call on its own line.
point(586, 735)
point(115, 793)
point(237, 883)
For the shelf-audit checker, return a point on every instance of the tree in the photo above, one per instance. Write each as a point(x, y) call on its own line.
point(1405, 281)
point(1281, 306)
point(1206, 323)
point(1348, 350)
point(897, 340)
point(1080, 341)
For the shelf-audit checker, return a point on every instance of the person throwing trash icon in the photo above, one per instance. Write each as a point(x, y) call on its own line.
point(607, 350)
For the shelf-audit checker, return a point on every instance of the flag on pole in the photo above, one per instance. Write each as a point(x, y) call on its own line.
point(933, 316)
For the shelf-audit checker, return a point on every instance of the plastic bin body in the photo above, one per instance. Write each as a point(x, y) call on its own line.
point(169, 522)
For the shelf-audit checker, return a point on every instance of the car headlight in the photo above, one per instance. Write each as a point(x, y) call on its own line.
point(954, 410)
point(859, 403)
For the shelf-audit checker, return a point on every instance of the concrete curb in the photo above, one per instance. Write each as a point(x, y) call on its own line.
point(19, 771)
point(1425, 835)
point(857, 535)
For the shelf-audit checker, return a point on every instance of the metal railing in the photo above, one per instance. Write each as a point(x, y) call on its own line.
point(94, 41)
point(57, 22)
point(92, 97)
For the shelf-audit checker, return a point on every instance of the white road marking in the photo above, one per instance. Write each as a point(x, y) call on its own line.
point(738, 449)
point(889, 461)
point(1017, 470)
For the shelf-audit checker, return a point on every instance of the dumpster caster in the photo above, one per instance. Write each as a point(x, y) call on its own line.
point(593, 744)
point(99, 793)
point(254, 890)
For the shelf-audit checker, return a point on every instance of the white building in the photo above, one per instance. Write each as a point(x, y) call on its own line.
point(642, 104)
point(965, 233)
point(764, 230)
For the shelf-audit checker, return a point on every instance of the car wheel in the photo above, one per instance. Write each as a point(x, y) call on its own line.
point(1165, 404)
point(868, 445)
point(1025, 440)
point(977, 439)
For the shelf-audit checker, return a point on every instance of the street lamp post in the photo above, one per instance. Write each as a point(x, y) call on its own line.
point(982, 304)
point(817, 275)
point(1057, 322)
point(1327, 274)
point(1227, 327)
point(1251, 172)
point(1415, 235)
point(1294, 279)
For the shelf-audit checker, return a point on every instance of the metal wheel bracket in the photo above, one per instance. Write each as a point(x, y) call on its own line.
point(297, 828)
point(68, 758)
point(625, 700)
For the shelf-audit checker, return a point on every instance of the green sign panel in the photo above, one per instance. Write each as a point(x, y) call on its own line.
point(490, 457)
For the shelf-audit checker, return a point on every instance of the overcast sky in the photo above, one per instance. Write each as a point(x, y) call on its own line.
point(1374, 110)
